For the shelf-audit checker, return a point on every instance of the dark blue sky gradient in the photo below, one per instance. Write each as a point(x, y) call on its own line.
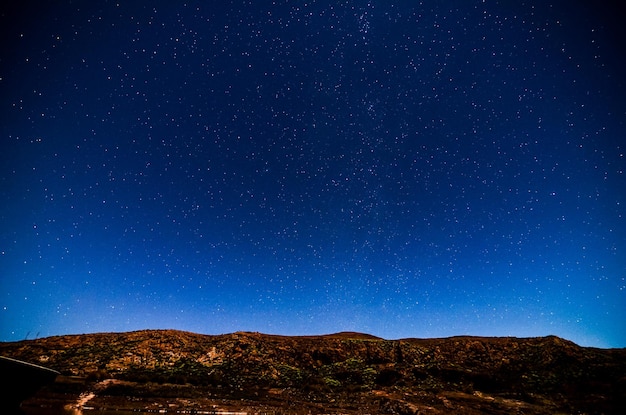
point(417, 169)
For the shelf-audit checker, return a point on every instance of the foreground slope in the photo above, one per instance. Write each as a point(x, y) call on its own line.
point(347, 372)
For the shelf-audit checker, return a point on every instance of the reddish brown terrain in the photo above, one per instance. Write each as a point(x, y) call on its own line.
point(349, 373)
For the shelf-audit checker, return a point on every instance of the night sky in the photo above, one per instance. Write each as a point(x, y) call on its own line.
point(416, 169)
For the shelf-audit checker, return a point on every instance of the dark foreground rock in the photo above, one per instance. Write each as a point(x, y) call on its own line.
point(21, 380)
point(343, 373)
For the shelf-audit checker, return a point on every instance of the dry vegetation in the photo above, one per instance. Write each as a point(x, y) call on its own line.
point(345, 372)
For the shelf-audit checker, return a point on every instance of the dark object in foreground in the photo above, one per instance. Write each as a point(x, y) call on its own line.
point(22, 380)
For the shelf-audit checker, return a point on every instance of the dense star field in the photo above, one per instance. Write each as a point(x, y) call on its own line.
point(415, 169)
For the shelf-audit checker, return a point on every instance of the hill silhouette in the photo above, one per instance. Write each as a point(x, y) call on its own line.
point(336, 373)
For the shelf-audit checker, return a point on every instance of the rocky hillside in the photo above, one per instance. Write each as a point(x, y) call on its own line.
point(344, 372)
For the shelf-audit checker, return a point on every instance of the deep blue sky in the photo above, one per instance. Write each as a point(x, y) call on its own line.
point(417, 169)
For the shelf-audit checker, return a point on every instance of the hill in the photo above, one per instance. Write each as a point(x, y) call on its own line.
point(343, 372)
